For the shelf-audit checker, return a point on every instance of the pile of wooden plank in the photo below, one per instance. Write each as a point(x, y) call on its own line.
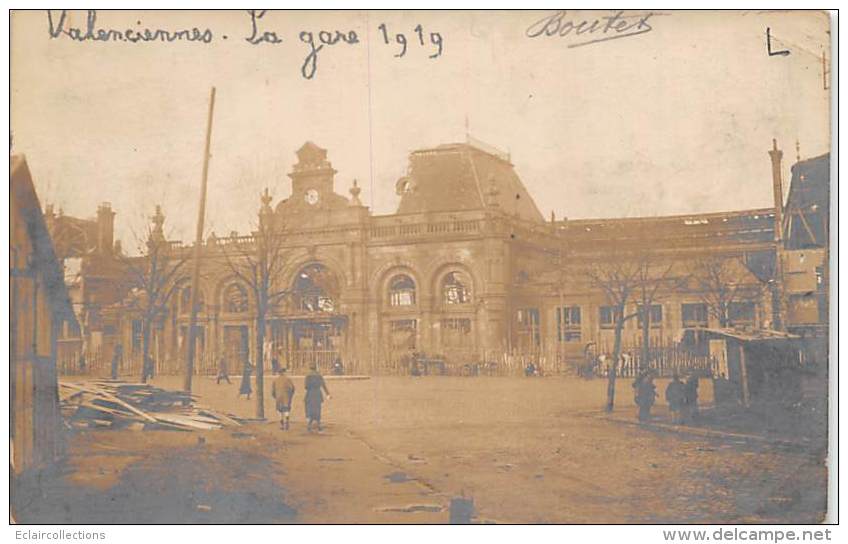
point(116, 404)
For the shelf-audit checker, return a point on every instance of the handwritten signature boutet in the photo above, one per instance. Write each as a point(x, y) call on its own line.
point(610, 27)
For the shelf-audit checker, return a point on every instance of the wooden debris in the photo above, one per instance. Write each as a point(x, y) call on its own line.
point(107, 403)
point(411, 508)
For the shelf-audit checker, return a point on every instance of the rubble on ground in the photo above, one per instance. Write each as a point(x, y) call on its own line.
point(113, 404)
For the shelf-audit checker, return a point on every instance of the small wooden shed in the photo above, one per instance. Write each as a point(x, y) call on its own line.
point(756, 364)
point(39, 306)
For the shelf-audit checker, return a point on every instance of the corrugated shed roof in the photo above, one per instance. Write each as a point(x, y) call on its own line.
point(755, 335)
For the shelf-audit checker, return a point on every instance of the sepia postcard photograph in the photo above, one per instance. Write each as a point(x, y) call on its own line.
point(375, 267)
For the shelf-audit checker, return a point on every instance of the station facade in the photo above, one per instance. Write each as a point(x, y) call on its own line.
point(467, 270)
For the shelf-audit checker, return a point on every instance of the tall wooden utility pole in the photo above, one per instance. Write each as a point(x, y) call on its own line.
point(777, 292)
point(198, 241)
point(561, 323)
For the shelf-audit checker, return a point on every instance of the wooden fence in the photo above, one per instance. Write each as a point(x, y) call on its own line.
point(665, 359)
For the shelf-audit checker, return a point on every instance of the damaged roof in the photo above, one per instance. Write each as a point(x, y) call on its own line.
point(459, 177)
point(808, 204)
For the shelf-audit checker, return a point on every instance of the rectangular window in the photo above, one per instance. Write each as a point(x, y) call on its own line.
point(656, 315)
point(741, 313)
point(456, 333)
point(527, 327)
point(402, 298)
point(403, 333)
point(400, 325)
point(694, 314)
point(607, 317)
point(462, 325)
point(568, 323)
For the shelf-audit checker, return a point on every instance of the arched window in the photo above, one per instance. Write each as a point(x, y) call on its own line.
point(456, 289)
point(235, 299)
point(185, 301)
point(315, 289)
point(402, 291)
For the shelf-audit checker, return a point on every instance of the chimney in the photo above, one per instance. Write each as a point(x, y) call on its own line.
point(105, 228)
point(777, 186)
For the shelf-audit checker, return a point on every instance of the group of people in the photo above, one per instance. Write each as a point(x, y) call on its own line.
point(283, 390)
point(532, 369)
point(682, 398)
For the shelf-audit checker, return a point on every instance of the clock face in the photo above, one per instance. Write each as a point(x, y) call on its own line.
point(311, 197)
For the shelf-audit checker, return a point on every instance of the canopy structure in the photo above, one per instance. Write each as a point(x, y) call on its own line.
point(761, 363)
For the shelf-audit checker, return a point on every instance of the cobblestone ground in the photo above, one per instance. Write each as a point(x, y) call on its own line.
point(396, 449)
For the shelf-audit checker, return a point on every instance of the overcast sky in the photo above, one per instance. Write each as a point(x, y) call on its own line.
point(677, 119)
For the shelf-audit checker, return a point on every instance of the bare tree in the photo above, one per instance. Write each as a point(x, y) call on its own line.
point(626, 278)
point(718, 282)
point(618, 279)
point(153, 277)
point(258, 264)
point(654, 279)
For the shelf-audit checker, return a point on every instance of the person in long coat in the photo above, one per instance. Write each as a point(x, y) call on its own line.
point(314, 384)
point(646, 394)
point(674, 395)
point(690, 399)
point(223, 373)
point(117, 355)
point(245, 388)
point(283, 391)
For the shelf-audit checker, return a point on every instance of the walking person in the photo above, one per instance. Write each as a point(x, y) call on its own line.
point(283, 392)
point(117, 355)
point(646, 394)
point(314, 384)
point(146, 368)
point(675, 393)
point(223, 373)
point(690, 399)
point(245, 388)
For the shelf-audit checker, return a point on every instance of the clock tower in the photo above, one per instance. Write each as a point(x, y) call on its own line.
point(312, 176)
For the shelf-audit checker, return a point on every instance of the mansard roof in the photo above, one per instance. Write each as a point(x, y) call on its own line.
point(460, 177)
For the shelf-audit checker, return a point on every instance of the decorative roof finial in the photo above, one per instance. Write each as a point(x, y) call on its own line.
point(797, 151)
point(266, 199)
point(354, 194)
point(158, 220)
